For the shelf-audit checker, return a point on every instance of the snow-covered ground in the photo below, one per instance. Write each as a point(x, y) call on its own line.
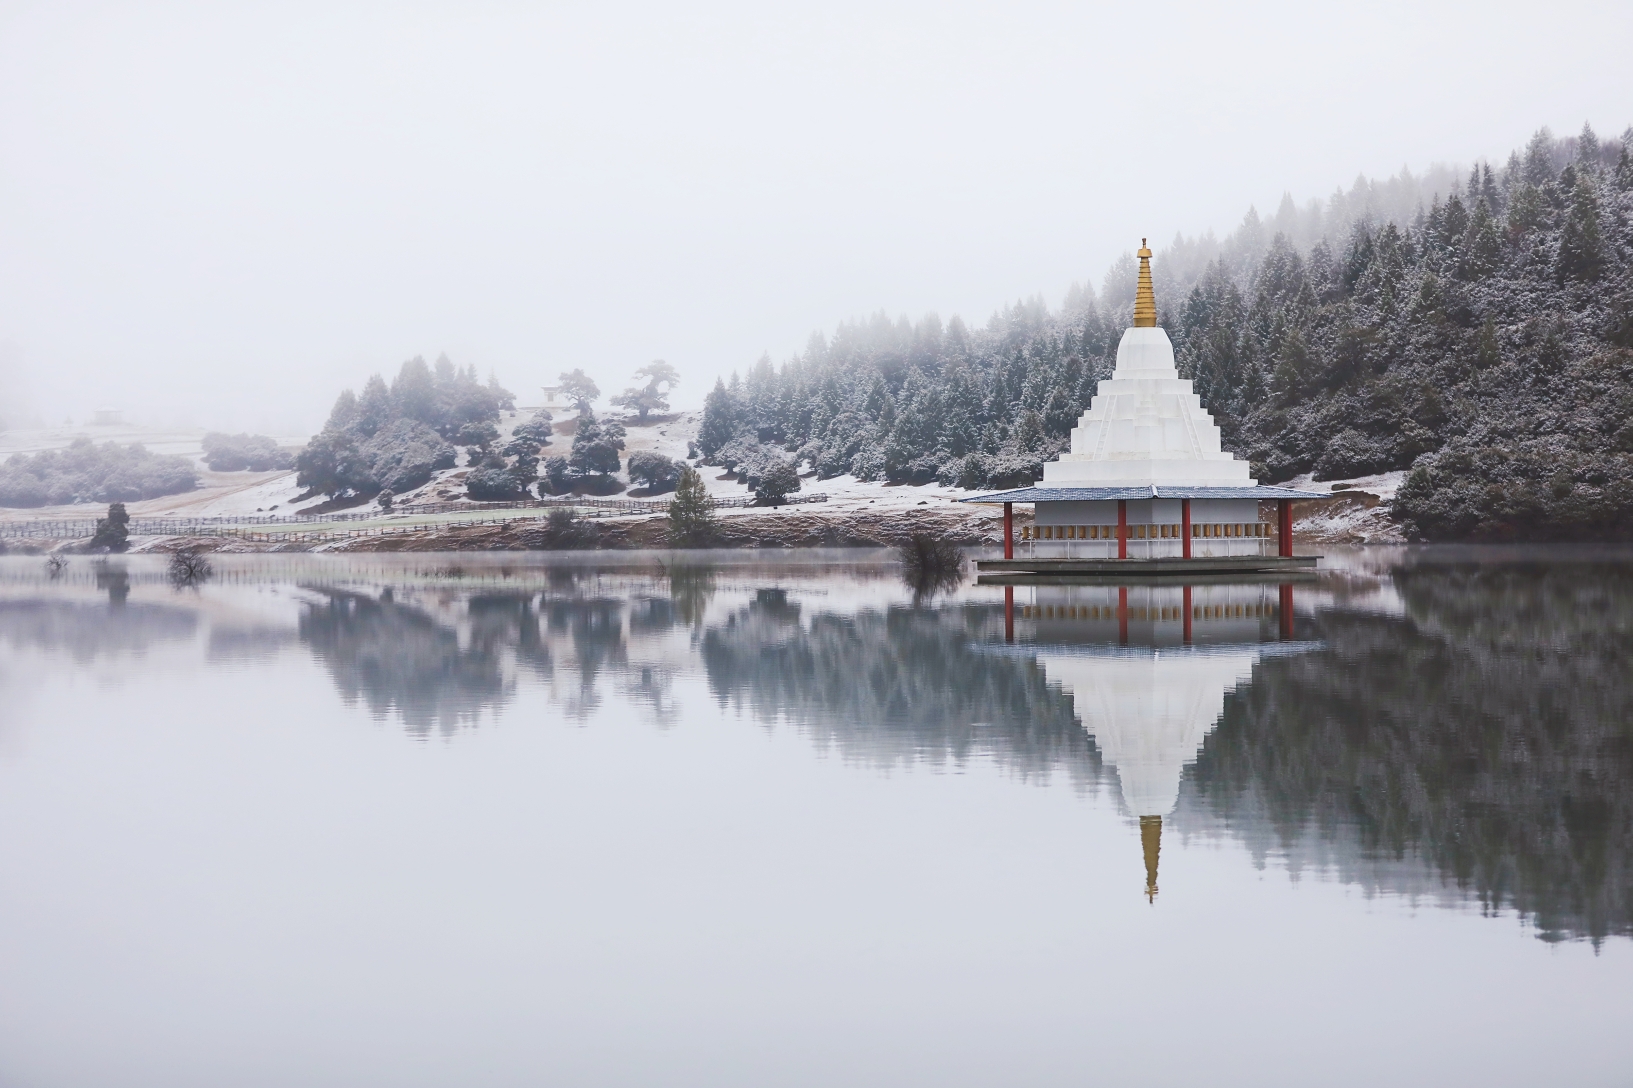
point(1359, 516)
point(671, 435)
point(1384, 485)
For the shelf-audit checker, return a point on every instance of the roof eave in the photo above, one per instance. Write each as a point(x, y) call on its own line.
point(1160, 491)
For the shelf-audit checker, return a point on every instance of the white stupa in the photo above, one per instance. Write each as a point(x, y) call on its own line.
point(1145, 476)
point(1145, 427)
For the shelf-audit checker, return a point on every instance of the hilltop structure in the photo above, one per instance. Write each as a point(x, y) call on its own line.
point(1146, 476)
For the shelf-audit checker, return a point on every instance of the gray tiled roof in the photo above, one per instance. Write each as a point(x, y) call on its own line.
point(1101, 494)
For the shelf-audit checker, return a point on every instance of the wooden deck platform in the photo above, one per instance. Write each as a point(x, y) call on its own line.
point(1144, 568)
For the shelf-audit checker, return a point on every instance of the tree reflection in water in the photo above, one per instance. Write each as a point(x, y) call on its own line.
point(1476, 745)
point(897, 685)
point(439, 659)
point(1478, 748)
point(398, 659)
point(1486, 736)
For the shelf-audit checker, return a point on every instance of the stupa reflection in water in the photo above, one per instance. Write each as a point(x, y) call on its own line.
point(1148, 668)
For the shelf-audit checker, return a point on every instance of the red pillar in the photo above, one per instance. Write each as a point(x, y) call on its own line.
point(1187, 609)
point(1122, 539)
point(1009, 530)
point(1185, 551)
point(1287, 612)
point(1009, 613)
point(1284, 526)
point(1122, 615)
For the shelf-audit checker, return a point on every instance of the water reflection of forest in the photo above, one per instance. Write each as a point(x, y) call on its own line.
point(1486, 735)
point(1475, 745)
point(1478, 747)
point(897, 684)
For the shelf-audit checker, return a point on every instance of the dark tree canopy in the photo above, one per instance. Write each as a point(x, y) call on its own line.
point(595, 446)
point(776, 482)
point(112, 532)
point(653, 471)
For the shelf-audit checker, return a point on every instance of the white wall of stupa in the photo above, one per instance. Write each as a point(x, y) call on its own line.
point(1145, 426)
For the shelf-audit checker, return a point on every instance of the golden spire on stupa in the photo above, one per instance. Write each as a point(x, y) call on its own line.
point(1145, 300)
point(1151, 841)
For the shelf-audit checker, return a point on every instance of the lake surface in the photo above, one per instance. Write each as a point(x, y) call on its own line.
point(646, 819)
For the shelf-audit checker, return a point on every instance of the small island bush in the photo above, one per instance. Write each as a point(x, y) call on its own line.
point(245, 452)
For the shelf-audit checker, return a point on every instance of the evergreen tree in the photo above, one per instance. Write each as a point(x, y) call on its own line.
point(720, 420)
point(331, 464)
point(374, 408)
point(414, 393)
point(1482, 249)
point(595, 447)
point(653, 471)
point(396, 436)
point(344, 414)
point(112, 532)
point(692, 522)
point(1587, 148)
point(1580, 254)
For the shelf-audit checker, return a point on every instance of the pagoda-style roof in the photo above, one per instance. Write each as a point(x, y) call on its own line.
point(1151, 491)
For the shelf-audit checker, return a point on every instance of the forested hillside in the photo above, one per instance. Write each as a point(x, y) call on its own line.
point(395, 436)
point(1476, 329)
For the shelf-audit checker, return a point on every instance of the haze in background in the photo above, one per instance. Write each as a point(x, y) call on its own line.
point(223, 217)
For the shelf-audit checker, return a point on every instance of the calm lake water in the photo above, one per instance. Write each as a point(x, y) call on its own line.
point(643, 819)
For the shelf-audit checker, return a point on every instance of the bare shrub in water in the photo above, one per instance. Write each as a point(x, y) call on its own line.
point(562, 530)
point(189, 567)
point(931, 564)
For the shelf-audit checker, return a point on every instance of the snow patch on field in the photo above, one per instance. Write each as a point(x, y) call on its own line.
point(1384, 485)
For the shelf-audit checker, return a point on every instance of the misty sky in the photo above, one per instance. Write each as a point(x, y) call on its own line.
point(223, 214)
